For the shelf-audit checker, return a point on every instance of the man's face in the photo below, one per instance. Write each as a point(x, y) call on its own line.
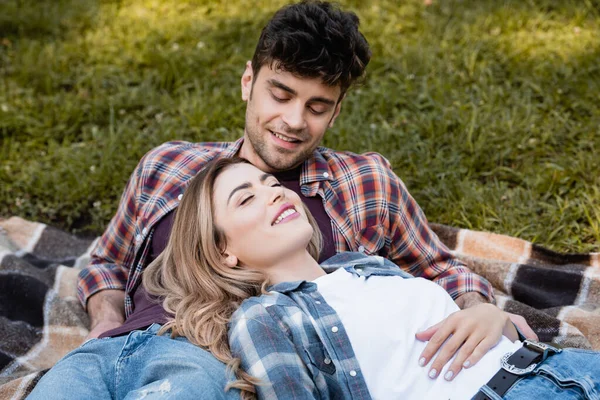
point(286, 117)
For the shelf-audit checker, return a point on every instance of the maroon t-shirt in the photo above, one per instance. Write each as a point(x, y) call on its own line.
point(148, 309)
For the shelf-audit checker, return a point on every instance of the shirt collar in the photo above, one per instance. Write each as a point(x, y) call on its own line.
point(233, 148)
point(286, 287)
point(356, 263)
point(316, 168)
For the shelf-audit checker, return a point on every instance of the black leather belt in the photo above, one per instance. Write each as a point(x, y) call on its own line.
point(516, 365)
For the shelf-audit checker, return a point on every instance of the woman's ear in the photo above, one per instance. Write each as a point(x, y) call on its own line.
point(230, 260)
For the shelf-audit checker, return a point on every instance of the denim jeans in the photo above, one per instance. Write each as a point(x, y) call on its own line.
point(571, 374)
point(141, 365)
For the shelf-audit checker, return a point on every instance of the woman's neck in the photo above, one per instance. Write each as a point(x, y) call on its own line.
point(297, 267)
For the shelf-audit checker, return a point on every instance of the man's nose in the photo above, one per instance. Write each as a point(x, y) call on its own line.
point(294, 117)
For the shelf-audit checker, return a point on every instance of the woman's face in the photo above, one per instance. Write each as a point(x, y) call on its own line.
point(264, 223)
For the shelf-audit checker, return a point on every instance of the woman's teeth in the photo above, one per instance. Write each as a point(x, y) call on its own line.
point(284, 214)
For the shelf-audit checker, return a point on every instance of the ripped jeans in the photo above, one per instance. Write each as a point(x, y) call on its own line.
point(140, 365)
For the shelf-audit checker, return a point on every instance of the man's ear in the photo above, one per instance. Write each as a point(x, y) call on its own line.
point(230, 260)
point(247, 78)
point(338, 108)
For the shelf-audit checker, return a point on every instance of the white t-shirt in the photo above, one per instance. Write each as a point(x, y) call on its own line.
point(381, 315)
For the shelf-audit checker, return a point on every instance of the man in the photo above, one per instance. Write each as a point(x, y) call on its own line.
point(307, 57)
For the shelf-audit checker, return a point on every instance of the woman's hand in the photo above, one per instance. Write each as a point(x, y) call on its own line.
point(469, 334)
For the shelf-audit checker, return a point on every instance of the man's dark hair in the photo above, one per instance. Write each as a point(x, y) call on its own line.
point(314, 39)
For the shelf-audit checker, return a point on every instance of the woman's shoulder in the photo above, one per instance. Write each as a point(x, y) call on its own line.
point(264, 304)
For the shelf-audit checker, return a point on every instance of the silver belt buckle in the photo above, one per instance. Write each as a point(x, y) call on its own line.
point(541, 348)
point(515, 370)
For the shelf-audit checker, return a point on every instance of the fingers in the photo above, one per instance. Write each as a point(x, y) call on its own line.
point(429, 332)
point(449, 349)
point(522, 324)
point(443, 336)
point(482, 348)
point(469, 354)
point(467, 334)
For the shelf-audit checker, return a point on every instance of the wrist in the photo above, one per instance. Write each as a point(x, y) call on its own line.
point(107, 306)
point(470, 299)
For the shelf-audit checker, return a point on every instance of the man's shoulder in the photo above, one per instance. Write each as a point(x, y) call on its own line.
point(179, 150)
point(347, 160)
point(350, 158)
point(178, 157)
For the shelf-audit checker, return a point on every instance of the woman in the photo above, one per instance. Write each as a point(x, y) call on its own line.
point(346, 334)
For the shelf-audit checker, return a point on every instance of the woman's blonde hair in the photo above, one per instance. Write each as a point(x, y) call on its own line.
point(196, 285)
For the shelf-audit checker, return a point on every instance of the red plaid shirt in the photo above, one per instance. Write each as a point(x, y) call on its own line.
point(371, 211)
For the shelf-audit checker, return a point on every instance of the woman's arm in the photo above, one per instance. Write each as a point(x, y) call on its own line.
point(268, 353)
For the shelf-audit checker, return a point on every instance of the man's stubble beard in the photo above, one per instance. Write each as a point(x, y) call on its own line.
point(277, 162)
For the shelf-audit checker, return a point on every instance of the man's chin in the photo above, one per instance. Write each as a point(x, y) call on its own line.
point(283, 163)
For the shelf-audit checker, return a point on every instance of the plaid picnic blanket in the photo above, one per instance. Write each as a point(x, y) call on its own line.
point(41, 319)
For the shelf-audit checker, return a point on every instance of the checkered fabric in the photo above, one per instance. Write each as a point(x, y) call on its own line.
point(41, 319)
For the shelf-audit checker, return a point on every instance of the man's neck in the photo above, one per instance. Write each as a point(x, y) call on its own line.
point(247, 152)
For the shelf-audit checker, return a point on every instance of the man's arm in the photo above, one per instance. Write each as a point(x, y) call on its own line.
point(101, 284)
point(429, 258)
point(417, 249)
point(106, 310)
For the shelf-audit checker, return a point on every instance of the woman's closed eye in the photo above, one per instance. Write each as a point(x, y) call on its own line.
point(246, 200)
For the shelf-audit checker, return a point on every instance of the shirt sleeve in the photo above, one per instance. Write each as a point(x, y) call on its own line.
point(113, 254)
point(268, 353)
point(418, 250)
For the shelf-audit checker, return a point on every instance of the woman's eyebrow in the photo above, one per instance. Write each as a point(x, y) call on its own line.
point(247, 185)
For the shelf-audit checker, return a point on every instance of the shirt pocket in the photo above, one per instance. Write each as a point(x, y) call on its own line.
point(370, 240)
point(319, 357)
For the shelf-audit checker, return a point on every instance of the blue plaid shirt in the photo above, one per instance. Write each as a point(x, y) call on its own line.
point(295, 342)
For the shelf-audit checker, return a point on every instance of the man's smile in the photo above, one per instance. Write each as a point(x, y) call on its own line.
point(285, 141)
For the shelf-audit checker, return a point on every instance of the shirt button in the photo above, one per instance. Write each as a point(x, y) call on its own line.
point(361, 249)
point(334, 329)
point(327, 361)
point(144, 231)
point(325, 174)
point(138, 238)
point(353, 373)
point(180, 197)
point(317, 302)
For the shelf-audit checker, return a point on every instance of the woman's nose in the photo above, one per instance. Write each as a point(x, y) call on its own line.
point(277, 194)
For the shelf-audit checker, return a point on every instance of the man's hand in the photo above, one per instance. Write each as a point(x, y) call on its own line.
point(467, 333)
point(101, 327)
point(106, 310)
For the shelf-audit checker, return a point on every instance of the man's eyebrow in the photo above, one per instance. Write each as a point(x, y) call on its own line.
point(314, 99)
point(277, 84)
point(324, 100)
point(247, 185)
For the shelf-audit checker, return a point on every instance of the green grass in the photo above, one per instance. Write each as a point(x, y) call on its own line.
point(488, 110)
